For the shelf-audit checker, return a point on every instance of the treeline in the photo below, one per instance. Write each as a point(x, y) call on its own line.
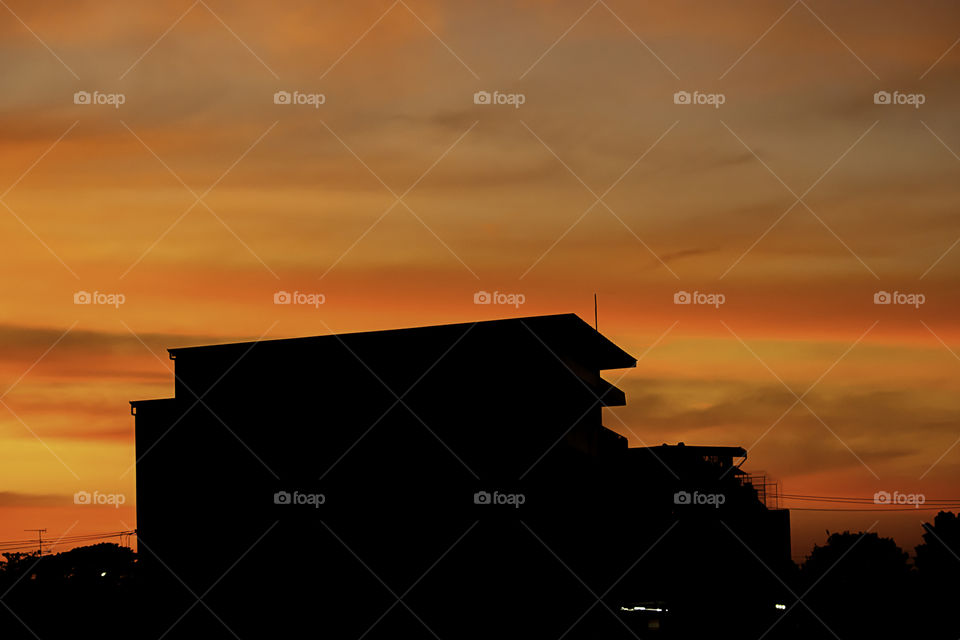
point(856, 585)
point(863, 585)
point(85, 592)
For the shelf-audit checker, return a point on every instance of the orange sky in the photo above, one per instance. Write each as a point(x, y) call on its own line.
point(199, 197)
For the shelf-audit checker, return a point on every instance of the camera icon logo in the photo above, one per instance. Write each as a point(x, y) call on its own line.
point(681, 497)
point(481, 497)
point(681, 97)
point(482, 297)
point(281, 497)
point(81, 97)
point(882, 297)
point(282, 297)
point(881, 497)
point(82, 297)
point(682, 297)
point(882, 97)
point(281, 97)
point(81, 497)
point(481, 97)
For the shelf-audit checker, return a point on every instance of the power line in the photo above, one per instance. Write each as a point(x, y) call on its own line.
point(871, 499)
point(16, 545)
point(865, 510)
point(928, 504)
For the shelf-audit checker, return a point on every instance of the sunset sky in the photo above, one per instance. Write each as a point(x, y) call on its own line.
point(398, 198)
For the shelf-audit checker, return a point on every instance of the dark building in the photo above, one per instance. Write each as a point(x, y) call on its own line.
point(451, 481)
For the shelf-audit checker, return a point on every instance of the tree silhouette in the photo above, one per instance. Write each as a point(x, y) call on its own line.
point(938, 565)
point(858, 583)
point(938, 556)
point(86, 591)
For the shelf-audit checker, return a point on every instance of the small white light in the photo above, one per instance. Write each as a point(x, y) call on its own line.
point(103, 574)
point(780, 606)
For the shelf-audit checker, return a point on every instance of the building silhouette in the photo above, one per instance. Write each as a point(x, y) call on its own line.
point(447, 481)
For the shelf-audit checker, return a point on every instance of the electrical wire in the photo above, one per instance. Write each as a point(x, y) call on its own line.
point(17, 545)
point(928, 504)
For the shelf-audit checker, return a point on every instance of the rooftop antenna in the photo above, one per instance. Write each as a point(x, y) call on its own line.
point(595, 324)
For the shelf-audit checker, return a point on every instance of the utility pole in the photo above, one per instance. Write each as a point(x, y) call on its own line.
point(40, 533)
point(596, 326)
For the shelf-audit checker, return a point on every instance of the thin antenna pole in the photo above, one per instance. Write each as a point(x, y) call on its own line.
point(40, 533)
point(596, 325)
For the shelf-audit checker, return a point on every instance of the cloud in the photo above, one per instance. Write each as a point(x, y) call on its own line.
point(15, 499)
point(886, 428)
point(24, 341)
